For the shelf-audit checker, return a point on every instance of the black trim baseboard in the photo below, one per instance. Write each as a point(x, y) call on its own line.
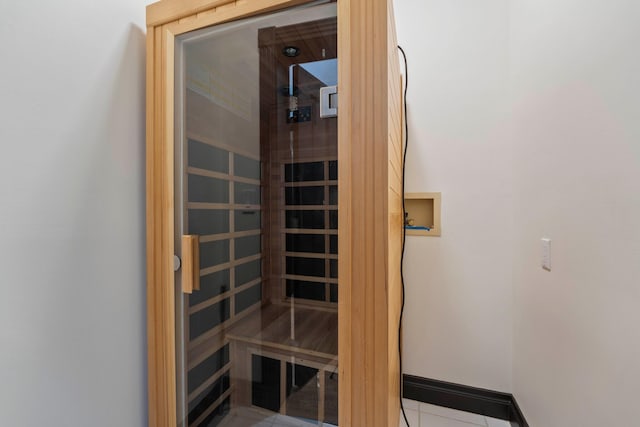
point(490, 403)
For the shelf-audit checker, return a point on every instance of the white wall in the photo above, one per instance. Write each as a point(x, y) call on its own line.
point(458, 321)
point(72, 290)
point(526, 116)
point(575, 73)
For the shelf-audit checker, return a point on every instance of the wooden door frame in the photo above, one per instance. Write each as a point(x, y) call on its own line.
point(370, 208)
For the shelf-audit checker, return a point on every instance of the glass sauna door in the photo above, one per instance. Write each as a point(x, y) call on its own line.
point(256, 207)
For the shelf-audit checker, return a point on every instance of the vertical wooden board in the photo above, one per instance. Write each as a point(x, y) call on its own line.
point(354, 51)
point(345, 354)
point(270, 217)
point(151, 265)
point(396, 216)
point(370, 218)
point(167, 209)
point(160, 296)
point(321, 395)
point(161, 374)
point(382, 273)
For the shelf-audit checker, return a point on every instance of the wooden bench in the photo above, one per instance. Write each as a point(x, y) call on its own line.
point(277, 352)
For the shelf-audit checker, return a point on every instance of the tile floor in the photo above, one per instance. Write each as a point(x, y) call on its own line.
point(250, 417)
point(419, 415)
point(425, 415)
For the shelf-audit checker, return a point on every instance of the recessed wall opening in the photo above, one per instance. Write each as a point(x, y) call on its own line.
point(422, 214)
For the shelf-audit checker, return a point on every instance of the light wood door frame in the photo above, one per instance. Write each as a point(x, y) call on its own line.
point(370, 204)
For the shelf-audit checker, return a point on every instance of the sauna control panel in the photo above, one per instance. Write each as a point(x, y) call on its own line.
point(299, 115)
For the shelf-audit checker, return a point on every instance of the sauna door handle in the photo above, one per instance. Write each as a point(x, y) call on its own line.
point(190, 263)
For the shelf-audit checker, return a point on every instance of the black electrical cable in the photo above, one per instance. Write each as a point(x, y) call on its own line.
point(404, 229)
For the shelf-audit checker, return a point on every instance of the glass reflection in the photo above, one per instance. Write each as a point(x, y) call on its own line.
point(256, 170)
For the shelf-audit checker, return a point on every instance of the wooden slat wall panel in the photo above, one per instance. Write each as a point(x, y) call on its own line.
point(370, 214)
point(313, 141)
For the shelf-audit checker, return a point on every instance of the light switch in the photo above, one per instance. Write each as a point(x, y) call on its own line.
point(546, 253)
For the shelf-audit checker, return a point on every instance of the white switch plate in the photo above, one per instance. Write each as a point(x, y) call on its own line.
point(546, 253)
